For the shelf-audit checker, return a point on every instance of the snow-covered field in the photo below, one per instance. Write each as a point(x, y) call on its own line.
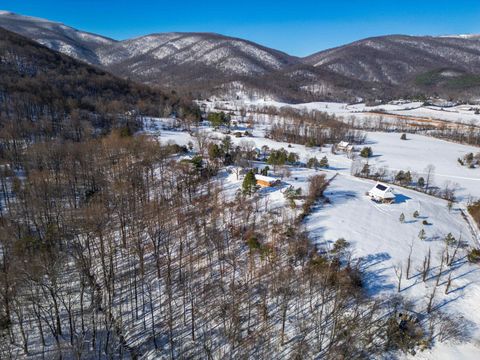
point(414, 154)
point(383, 242)
point(461, 114)
point(418, 152)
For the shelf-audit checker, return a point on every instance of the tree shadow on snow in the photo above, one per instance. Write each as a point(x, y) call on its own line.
point(374, 281)
point(373, 259)
point(340, 196)
point(334, 168)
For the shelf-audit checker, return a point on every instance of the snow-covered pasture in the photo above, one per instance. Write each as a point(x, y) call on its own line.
point(460, 114)
point(381, 243)
point(418, 152)
point(414, 154)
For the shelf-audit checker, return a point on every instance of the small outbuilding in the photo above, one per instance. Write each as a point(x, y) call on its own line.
point(344, 146)
point(382, 193)
point(266, 181)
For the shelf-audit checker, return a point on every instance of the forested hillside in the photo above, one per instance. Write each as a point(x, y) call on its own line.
point(44, 94)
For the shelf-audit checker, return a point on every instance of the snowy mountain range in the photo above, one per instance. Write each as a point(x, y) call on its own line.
point(207, 63)
point(174, 57)
point(392, 59)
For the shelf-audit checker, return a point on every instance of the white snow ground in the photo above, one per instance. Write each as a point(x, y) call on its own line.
point(377, 236)
point(464, 114)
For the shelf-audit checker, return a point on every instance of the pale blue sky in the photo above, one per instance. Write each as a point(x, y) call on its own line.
point(296, 27)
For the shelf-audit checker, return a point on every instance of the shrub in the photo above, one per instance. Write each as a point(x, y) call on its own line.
point(366, 152)
point(474, 256)
point(340, 245)
point(474, 210)
point(324, 162)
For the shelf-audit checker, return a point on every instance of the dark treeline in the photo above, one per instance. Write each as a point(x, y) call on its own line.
point(312, 128)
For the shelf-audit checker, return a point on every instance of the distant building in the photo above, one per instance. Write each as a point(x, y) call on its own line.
point(344, 146)
point(266, 181)
point(382, 193)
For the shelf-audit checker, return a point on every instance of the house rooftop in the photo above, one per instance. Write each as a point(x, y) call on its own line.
point(265, 178)
point(383, 191)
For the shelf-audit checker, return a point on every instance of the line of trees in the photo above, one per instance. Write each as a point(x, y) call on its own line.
point(310, 128)
point(423, 183)
point(461, 133)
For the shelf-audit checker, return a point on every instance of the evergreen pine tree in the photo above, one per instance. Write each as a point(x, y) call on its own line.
point(450, 239)
point(366, 152)
point(421, 234)
point(292, 158)
point(324, 162)
point(313, 163)
point(450, 205)
point(249, 183)
point(408, 178)
point(421, 182)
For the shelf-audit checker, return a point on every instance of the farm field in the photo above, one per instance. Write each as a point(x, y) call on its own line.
point(414, 112)
point(414, 154)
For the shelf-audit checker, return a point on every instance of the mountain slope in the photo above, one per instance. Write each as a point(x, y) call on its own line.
point(78, 44)
point(43, 90)
point(393, 59)
point(166, 59)
point(205, 64)
point(173, 57)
